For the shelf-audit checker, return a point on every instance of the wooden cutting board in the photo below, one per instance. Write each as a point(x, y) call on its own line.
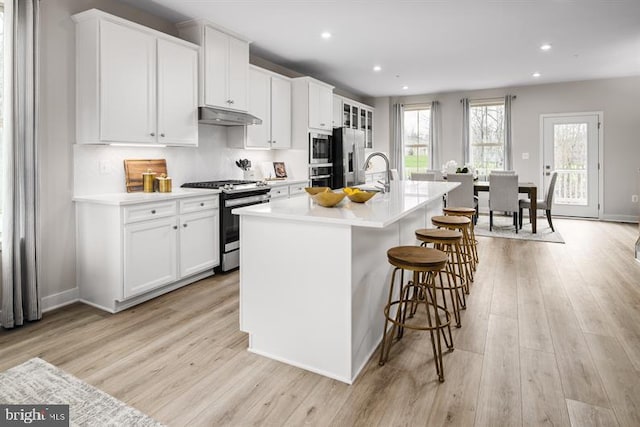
point(133, 171)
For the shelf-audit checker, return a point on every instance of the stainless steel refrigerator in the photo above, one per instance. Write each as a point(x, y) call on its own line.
point(348, 157)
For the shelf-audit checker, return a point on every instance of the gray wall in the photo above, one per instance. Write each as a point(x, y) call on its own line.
point(616, 98)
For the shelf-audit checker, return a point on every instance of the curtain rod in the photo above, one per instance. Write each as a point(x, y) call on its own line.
point(497, 98)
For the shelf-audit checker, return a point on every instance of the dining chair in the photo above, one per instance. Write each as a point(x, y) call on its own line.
point(426, 176)
point(437, 174)
point(462, 196)
point(543, 204)
point(501, 172)
point(503, 196)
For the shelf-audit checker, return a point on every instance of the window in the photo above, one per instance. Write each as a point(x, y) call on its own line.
point(416, 140)
point(486, 136)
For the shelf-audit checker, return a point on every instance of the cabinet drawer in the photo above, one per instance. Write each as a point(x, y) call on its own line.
point(296, 189)
point(278, 192)
point(149, 211)
point(198, 204)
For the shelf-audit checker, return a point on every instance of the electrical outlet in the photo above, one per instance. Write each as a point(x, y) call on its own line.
point(634, 198)
point(525, 156)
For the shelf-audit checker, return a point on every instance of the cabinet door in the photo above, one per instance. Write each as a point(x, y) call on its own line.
point(369, 136)
point(127, 84)
point(315, 106)
point(177, 94)
point(238, 73)
point(280, 113)
point(149, 255)
point(337, 112)
point(258, 136)
point(326, 107)
point(216, 68)
point(199, 242)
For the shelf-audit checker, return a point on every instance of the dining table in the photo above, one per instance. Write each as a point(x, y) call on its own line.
point(528, 188)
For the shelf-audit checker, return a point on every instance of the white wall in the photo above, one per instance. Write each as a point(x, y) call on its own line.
point(617, 98)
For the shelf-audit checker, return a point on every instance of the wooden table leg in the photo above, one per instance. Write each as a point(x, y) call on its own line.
point(533, 196)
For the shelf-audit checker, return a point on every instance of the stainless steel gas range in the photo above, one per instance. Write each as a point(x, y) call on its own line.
point(235, 194)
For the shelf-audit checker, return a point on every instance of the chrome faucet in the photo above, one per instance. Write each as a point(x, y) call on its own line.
point(387, 180)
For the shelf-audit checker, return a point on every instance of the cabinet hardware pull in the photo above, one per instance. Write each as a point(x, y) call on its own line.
point(152, 134)
point(162, 135)
point(201, 204)
point(232, 101)
point(273, 142)
point(184, 225)
point(153, 211)
point(321, 124)
point(175, 227)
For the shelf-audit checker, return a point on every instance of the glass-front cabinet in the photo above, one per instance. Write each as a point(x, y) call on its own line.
point(354, 115)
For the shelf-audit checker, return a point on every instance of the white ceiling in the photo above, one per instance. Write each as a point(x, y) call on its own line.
point(430, 45)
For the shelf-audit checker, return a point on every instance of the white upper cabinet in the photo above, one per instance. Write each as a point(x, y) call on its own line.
point(312, 105)
point(133, 84)
point(337, 112)
point(224, 65)
point(259, 136)
point(320, 106)
point(280, 112)
point(127, 60)
point(269, 100)
point(177, 94)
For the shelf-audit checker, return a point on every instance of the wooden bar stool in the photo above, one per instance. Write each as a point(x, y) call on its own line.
point(425, 263)
point(449, 242)
point(461, 224)
point(469, 213)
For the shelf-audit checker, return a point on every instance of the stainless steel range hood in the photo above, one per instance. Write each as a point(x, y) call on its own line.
point(220, 117)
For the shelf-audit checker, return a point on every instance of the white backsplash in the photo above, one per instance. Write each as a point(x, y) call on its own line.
point(99, 169)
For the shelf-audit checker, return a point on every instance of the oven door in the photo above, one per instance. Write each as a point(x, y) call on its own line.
point(230, 223)
point(319, 148)
point(321, 181)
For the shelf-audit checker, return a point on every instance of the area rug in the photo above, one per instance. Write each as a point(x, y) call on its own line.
point(503, 227)
point(38, 382)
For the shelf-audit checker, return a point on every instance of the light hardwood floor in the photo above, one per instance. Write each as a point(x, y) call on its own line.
point(551, 336)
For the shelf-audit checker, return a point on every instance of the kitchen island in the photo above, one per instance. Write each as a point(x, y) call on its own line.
point(314, 280)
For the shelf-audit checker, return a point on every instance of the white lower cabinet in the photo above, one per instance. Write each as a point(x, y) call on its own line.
point(129, 254)
point(287, 190)
point(150, 250)
point(196, 251)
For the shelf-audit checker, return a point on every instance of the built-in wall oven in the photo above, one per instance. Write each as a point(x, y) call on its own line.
point(235, 194)
point(321, 174)
point(320, 147)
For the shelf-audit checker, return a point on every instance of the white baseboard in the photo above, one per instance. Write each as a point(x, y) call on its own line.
point(620, 218)
point(60, 299)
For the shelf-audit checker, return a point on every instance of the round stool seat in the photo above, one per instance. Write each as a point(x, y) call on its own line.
point(416, 257)
point(460, 211)
point(438, 234)
point(450, 220)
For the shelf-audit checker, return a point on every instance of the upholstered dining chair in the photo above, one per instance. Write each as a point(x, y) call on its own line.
point(426, 176)
point(462, 196)
point(501, 172)
point(503, 196)
point(543, 204)
point(437, 174)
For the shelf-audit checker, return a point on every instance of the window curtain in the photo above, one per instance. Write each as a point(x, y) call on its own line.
point(20, 299)
point(397, 139)
point(435, 129)
point(466, 148)
point(508, 152)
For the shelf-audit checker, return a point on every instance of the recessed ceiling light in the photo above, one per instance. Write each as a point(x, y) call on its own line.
point(545, 46)
point(405, 87)
point(536, 74)
point(326, 35)
point(377, 68)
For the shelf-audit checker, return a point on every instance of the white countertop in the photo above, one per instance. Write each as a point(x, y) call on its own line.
point(279, 182)
point(379, 212)
point(121, 199)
